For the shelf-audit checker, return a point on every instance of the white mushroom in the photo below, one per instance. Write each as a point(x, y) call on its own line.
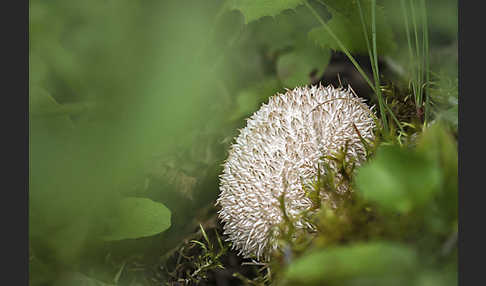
point(279, 152)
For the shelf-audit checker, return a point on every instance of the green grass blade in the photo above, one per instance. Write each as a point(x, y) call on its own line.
point(375, 63)
point(426, 59)
point(407, 29)
point(365, 32)
point(343, 48)
point(418, 95)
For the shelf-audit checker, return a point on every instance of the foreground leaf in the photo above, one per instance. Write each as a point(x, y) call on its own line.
point(138, 217)
point(438, 144)
point(361, 260)
point(399, 179)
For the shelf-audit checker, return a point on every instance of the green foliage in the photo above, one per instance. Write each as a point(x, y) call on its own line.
point(362, 237)
point(369, 237)
point(196, 259)
point(137, 217)
point(346, 24)
point(407, 179)
point(248, 100)
point(117, 85)
point(438, 144)
point(255, 9)
point(284, 30)
point(444, 97)
point(108, 90)
point(374, 263)
point(294, 68)
point(295, 59)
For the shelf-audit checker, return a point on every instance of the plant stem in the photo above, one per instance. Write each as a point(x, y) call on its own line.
point(418, 95)
point(372, 60)
point(340, 44)
point(426, 59)
point(410, 51)
point(407, 30)
point(370, 54)
point(365, 32)
point(375, 63)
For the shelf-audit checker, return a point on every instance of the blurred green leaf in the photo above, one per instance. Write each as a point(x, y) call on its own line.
point(295, 68)
point(285, 30)
point(361, 260)
point(248, 100)
point(346, 25)
point(255, 9)
point(137, 217)
point(436, 278)
point(436, 143)
point(444, 97)
point(398, 179)
point(135, 61)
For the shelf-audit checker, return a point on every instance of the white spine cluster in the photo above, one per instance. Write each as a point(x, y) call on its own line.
point(279, 152)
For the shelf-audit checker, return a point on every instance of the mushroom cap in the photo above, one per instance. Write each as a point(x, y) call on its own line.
point(278, 153)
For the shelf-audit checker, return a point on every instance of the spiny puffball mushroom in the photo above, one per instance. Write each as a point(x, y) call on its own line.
point(279, 152)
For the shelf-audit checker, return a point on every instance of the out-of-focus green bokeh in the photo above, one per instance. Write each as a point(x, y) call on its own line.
point(112, 84)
